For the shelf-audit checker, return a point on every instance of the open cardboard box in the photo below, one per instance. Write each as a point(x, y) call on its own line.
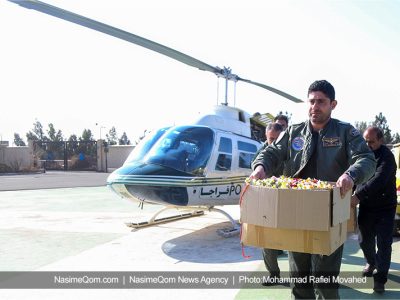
point(317, 210)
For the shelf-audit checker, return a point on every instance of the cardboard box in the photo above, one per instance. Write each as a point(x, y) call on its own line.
point(352, 222)
point(294, 209)
point(306, 241)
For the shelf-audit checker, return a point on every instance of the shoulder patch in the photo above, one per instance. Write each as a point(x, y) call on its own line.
point(298, 143)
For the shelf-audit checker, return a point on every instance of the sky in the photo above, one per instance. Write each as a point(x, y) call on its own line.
point(57, 72)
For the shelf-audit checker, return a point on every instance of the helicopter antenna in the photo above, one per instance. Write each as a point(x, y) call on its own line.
point(234, 94)
point(225, 72)
point(217, 90)
point(226, 92)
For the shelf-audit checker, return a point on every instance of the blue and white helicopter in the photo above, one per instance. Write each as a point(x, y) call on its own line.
point(192, 167)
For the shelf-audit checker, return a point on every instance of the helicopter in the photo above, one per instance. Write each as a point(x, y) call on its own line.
point(194, 166)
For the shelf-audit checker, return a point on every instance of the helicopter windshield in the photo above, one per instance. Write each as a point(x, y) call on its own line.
point(183, 148)
point(145, 145)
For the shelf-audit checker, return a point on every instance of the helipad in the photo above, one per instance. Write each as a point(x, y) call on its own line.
point(83, 229)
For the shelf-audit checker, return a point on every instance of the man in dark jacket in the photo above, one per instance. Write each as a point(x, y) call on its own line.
point(377, 199)
point(270, 256)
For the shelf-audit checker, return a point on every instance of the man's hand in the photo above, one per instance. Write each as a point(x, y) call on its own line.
point(354, 201)
point(345, 183)
point(258, 173)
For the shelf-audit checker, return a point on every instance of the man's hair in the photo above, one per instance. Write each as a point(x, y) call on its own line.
point(377, 130)
point(274, 127)
point(282, 117)
point(324, 87)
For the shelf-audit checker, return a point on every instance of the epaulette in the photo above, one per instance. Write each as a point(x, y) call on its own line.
point(298, 124)
point(344, 123)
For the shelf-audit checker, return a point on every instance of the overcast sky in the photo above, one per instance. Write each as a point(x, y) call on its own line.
point(58, 72)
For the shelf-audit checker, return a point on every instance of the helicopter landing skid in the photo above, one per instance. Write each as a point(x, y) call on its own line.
point(154, 221)
point(228, 231)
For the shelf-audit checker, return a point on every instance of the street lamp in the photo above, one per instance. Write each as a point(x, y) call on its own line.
point(101, 149)
point(100, 129)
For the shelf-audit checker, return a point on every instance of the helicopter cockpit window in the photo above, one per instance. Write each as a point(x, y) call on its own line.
point(183, 148)
point(243, 146)
point(144, 146)
point(246, 154)
point(224, 160)
point(225, 145)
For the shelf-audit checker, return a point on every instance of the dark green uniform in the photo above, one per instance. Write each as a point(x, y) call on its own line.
point(336, 149)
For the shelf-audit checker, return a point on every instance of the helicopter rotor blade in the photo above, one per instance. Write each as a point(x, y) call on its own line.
point(115, 32)
point(135, 39)
point(271, 89)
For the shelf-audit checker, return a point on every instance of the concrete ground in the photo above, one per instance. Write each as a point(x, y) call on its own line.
point(51, 180)
point(83, 229)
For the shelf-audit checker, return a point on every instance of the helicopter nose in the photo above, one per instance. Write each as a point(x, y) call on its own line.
point(150, 183)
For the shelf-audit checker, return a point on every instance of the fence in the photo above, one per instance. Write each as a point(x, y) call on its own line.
point(93, 156)
point(66, 155)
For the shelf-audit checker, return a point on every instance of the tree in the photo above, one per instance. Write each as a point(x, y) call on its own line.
point(111, 136)
point(396, 138)
point(55, 145)
point(30, 136)
point(86, 144)
point(72, 146)
point(87, 136)
point(124, 140)
point(73, 138)
point(37, 134)
point(18, 141)
point(381, 122)
point(38, 130)
point(361, 126)
point(53, 136)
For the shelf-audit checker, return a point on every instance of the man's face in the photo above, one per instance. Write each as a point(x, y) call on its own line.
point(282, 123)
point(372, 140)
point(320, 108)
point(272, 135)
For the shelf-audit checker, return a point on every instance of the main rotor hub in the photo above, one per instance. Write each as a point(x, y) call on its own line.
point(227, 74)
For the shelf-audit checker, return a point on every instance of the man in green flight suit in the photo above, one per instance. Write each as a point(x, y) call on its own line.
point(326, 149)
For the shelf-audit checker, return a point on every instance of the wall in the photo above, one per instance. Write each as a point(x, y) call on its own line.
point(117, 155)
point(114, 158)
point(18, 158)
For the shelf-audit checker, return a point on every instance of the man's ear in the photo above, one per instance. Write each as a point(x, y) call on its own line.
point(333, 104)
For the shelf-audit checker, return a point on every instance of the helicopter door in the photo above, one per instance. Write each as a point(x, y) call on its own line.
point(233, 155)
point(224, 155)
point(246, 152)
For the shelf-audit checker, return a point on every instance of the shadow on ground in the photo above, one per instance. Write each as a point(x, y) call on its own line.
point(206, 246)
